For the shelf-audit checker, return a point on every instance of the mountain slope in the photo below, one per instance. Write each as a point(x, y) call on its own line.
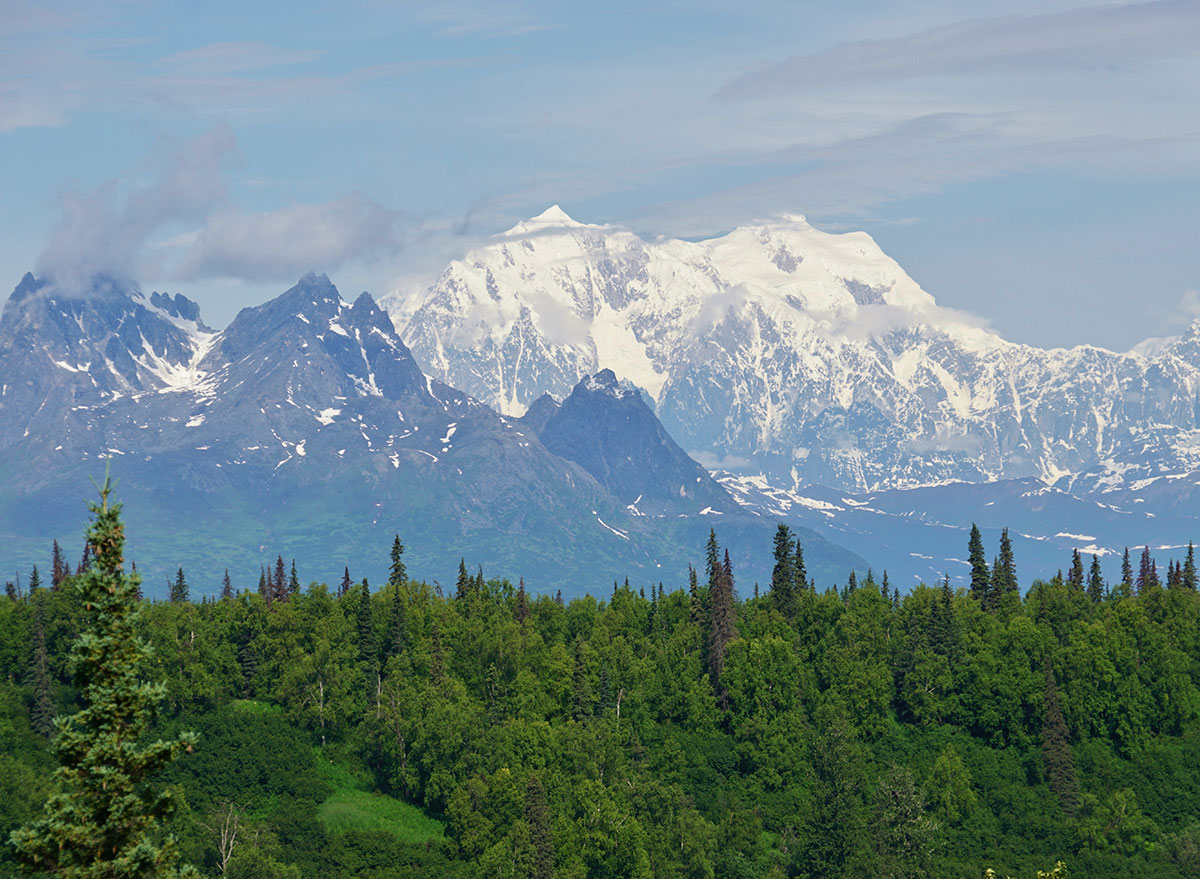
point(304, 428)
point(808, 357)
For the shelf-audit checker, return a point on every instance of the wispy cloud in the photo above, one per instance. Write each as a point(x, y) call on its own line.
point(1094, 36)
point(128, 229)
point(285, 243)
point(105, 229)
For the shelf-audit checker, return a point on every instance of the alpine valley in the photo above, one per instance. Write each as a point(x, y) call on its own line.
point(573, 404)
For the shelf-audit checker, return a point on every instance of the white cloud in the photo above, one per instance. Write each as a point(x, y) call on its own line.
point(285, 243)
point(104, 230)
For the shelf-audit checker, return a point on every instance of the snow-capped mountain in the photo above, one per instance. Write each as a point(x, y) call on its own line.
point(809, 357)
point(307, 428)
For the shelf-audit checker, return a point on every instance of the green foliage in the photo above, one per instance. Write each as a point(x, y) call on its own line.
point(673, 730)
point(103, 821)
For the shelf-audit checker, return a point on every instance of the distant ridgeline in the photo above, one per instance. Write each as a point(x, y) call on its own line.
point(386, 729)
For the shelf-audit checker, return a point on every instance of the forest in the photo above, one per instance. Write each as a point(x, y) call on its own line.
point(702, 728)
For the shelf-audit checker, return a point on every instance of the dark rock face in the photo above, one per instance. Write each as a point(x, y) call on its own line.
point(609, 431)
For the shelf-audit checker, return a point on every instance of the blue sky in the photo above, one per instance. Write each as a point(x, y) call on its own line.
point(1035, 163)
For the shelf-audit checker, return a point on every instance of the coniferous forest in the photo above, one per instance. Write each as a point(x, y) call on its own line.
point(701, 727)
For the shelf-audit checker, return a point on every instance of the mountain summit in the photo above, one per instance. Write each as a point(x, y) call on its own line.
point(808, 357)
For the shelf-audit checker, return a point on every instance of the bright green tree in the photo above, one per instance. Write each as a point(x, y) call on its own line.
point(104, 821)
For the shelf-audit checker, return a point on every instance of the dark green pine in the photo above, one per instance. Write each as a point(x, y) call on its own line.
point(980, 580)
point(397, 573)
point(1095, 587)
point(783, 575)
point(105, 820)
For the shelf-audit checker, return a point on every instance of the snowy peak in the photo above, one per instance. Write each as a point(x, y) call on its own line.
point(102, 342)
point(806, 356)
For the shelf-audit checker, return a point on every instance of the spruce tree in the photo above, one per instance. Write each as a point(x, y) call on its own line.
point(58, 571)
point(1147, 572)
point(521, 608)
point(712, 559)
point(537, 816)
point(1004, 572)
point(884, 586)
point(264, 588)
point(783, 576)
point(1075, 577)
point(85, 561)
point(366, 630)
point(722, 624)
point(41, 713)
point(462, 586)
point(1095, 589)
point(35, 580)
point(1126, 573)
point(852, 582)
point(293, 580)
point(397, 574)
point(980, 581)
point(179, 589)
point(397, 637)
point(226, 586)
point(278, 584)
point(104, 820)
point(347, 583)
point(1189, 568)
point(1056, 749)
point(800, 572)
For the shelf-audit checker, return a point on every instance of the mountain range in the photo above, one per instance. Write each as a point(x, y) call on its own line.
point(575, 404)
point(306, 428)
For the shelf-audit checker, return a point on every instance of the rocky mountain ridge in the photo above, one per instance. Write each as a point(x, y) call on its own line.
point(806, 357)
point(307, 428)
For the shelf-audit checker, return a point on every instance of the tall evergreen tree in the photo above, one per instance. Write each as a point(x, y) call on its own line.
point(279, 591)
point(1189, 568)
point(1004, 572)
point(537, 816)
point(293, 580)
point(59, 570)
point(85, 561)
point(721, 621)
point(462, 586)
point(226, 586)
point(41, 713)
point(1075, 577)
point(398, 637)
point(799, 570)
point(712, 559)
point(397, 574)
point(1126, 573)
point(1095, 588)
point(1147, 577)
point(1056, 749)
point(179, 589)
point(521, 608)
point(365, 623)
point(346, 584)
point(264, 588)
point(783, 576)
point(35, 580)
point(104, 820)
point(980, 580)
